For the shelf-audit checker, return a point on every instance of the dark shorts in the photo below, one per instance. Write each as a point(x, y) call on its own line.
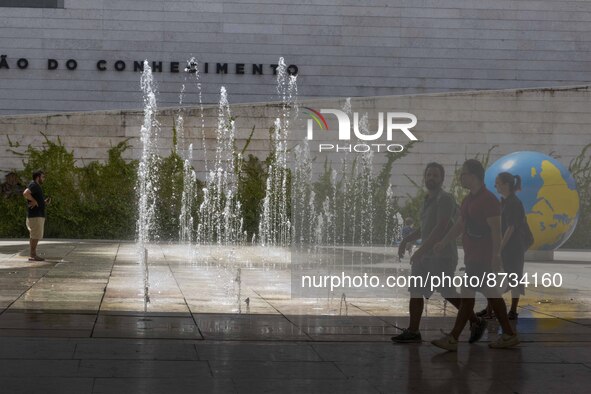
point(482, 270)
point(477, 268)
point(433, 266)
point(513, 262)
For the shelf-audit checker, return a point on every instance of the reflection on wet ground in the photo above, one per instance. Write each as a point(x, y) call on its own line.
point(76, 323)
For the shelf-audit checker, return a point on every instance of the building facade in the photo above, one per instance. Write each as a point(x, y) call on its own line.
point(85, 55)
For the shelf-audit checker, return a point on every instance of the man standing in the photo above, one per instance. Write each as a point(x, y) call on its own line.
point(36, 204)
point(480, 226)
point(437, 216)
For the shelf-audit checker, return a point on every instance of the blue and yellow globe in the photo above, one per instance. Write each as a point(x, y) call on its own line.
point(548, 192)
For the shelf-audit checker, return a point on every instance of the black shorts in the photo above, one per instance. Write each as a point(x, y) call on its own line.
point(482, 279)
point(428, 267)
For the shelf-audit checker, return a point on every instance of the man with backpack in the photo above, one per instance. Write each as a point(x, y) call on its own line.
point(438, 214)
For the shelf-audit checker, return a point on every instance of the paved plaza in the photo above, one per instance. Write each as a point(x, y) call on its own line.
point(78, 323)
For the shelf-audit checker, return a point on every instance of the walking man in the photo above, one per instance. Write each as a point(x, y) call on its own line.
point(480, 226)
point(437, 217)
point(36, 204)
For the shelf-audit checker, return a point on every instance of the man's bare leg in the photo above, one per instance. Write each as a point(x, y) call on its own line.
point(33, 245)
point(457, 302)
point(415, 309)
point(466, 309)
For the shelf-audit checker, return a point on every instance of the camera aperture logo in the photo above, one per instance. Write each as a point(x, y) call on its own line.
point(395, 121)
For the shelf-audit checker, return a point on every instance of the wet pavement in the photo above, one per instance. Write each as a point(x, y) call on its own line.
point(78, 323)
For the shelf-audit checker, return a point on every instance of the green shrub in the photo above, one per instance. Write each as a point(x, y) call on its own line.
point(108, 196)
point(95, 201)
point(99, 200)
point(251, 189)
point(12, 217)
point(580, 168)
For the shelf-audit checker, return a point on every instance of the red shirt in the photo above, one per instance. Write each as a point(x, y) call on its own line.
point(477, 238)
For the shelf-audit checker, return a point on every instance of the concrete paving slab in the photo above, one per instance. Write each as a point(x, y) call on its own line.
point(79, 323)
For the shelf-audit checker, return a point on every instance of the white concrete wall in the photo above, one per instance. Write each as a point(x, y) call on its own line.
point(342, 48)
point(451, 127)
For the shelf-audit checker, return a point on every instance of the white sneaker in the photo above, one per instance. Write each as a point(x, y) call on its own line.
point(505, 341)
point(447, 342)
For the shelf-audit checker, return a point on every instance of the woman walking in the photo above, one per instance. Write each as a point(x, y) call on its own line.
point(513, 243)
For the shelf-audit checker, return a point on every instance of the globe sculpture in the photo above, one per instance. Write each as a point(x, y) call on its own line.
point(548, 192)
